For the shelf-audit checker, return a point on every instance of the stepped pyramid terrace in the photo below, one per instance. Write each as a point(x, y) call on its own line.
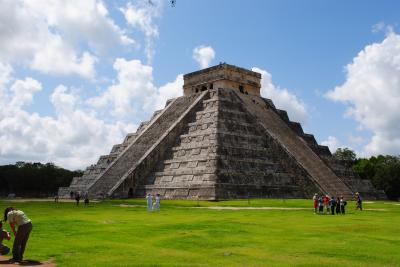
point(221, 140)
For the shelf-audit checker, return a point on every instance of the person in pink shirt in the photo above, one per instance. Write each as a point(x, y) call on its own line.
point(315, 199)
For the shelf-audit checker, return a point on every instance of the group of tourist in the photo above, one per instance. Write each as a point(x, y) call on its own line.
point(153, 206)
point(323, 203)
point(78, 197)
point(21, 226)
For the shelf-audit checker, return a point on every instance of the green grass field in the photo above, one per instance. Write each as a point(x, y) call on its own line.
point(182, 234)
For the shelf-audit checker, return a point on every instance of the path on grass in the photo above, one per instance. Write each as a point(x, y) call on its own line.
point(223, 207)
point(239, 208)
point(5, 261)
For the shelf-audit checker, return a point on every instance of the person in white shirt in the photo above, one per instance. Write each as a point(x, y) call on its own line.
point(18, 218)
point(157, 203)
point(149, 198)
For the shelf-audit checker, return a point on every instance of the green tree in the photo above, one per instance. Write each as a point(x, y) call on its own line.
point(345, 154)
point(34, 179)
point(366, 168)
point(387, 177)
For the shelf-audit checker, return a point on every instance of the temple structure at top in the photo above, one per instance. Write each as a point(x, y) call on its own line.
point(222, 76)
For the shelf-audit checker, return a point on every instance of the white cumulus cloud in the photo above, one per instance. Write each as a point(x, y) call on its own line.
point(74, 138)
point(132, 94)
point(203, 55)
point(332, 142)
point(57, 37)
point(282, 97)
point(141, 15)
point(81, 129)
point(23, 91)
point(170, 90)
point(371, 93)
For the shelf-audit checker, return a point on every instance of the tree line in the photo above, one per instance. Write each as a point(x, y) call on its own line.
point(382, 171)
point(41, 180)
point(34, 179)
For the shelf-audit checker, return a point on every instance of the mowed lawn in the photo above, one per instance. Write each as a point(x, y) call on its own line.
point(184, 233)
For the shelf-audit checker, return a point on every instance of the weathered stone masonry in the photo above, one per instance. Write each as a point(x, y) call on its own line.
point(220, 140)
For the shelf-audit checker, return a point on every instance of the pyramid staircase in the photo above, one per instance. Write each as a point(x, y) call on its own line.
point(100, 179)
point(322, 175)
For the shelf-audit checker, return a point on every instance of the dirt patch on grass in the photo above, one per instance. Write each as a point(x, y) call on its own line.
point(130, 206)
point(5, 261)
point(376, 209)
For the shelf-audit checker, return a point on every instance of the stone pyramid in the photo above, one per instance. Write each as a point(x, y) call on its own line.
point(220, 140)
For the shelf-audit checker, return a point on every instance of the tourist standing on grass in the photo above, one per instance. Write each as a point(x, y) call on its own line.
point(343, 204)
point(332, 205)
point(86, 199)
point(149, 202)
point(326, 203)
point(315, 199)
point(157, 203)
point(77, 198)
point(18, 218)
point(338, 206)
point(320, 204)
point(358, 201)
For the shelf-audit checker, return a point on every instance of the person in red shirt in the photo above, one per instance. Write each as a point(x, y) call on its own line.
point(326, 203)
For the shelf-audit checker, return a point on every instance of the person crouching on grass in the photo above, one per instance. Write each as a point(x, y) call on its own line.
point(18, 218)
point(3, 235)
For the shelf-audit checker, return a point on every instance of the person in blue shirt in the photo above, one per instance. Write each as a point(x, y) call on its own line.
point(332, 204)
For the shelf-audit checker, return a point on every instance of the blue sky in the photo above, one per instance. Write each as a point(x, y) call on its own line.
point(76, 76)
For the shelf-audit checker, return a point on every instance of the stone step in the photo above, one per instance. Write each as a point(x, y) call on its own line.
point(130, 137)
point(191, 159)
point(144, 143)
point(277, 128)
point(187, 171)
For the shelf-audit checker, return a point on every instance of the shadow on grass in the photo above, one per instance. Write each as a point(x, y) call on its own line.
point(10, 262)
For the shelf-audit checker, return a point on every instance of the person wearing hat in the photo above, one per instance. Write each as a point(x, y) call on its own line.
point(18, 218)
